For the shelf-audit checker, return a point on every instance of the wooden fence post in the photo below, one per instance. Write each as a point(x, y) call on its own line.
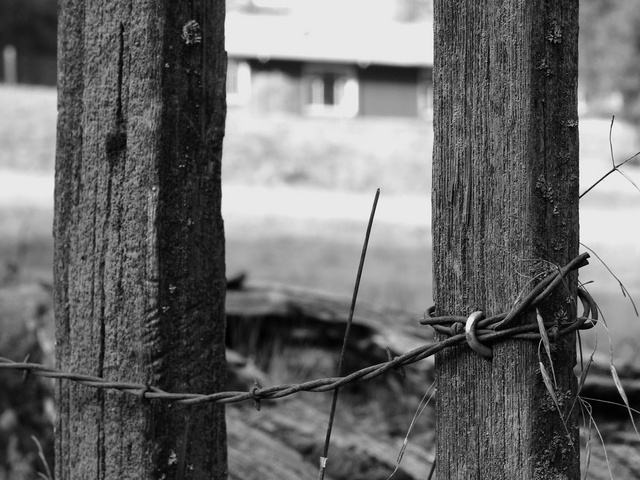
point(505, 208)
point(139, 242)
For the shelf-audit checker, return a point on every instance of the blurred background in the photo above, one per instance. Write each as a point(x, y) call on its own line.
point(320, 115)
point(335, 105)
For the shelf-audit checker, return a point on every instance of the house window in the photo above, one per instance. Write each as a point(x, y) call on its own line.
point(238, 82)
point(330, 90)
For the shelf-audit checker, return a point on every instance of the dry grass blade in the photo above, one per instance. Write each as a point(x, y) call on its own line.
point(583, 377)
point(588, 446)
point(546, 378)
point(531, 280)
point(592, 421)
point(421, 407)
point(609, 402)
point(625, 292)
point(547, 382)
point(618, 383)
point(635, 155)
point(616, 379)
point(550, 388)
point(42, 458)
point(547, 345)
point(614, 167)
point(624, 174)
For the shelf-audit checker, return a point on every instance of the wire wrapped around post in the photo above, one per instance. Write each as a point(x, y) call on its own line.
point(490, 329)
point(487, 331)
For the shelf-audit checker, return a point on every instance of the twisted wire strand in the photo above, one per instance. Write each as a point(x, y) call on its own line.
point(488, 332)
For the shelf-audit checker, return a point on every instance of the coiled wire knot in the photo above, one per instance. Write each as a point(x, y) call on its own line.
point(478, 330)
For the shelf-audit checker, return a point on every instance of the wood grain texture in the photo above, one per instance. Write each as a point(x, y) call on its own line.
point(139, 239)
point(505, 208)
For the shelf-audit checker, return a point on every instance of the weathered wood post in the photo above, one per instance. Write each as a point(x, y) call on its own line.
point(505, 207)
point(139, 242)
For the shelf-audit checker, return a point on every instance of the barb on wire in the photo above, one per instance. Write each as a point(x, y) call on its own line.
point(486, 333)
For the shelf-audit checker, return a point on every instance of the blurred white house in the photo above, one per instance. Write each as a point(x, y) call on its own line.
point(343, 58)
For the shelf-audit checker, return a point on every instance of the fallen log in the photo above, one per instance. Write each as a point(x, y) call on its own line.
point(258, 313)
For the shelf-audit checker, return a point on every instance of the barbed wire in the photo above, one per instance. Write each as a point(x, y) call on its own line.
point(488, 330)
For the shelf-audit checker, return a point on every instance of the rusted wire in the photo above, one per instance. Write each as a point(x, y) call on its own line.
point(489, 330)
